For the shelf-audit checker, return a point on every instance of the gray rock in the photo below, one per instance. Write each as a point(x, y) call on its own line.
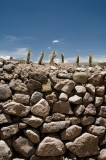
point(21, 98)
point(80, 77)
point(98, 101)
point(33, 121)
point(75, 99)
point(96, 79)
point(87, 120)
point(65, 75)
point(36, 96)
point(41, 77)
point(90, 109)
point(100, 90)
point(35, 157)
point(41, 108)
point(78, 146)
point(80, 89)
point(23, 146)
point(79, 110)
point(8, 67)
point(102, 112)
point(96, 130)
point(63, 97)
point(74, 120)
point(71, 132)
point(47, 86)
point(51, 98)
point(1, 64)
point(61, 84)
point(17, 109)
point(33, 85)
point(54, 126)
point(55, 117)
point(90, 88)
point(50, 146)
point(62, 107)
point(4, 118)
point(102, 155)
point(5, 151)
point(5, 92)
point(101, 121)
point(22, 125)
point(88, 98)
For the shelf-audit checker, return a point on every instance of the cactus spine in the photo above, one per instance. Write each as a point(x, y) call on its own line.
point(28, 56)
point(90, 60)
point(52, 56)
point(62, 58)
point(41, 58)
point(77, 60)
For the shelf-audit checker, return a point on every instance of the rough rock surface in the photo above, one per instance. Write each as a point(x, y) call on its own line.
point(5, 92)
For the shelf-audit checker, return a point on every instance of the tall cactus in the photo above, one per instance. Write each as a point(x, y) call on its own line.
point(28, 56)
point(77, 61)
point(52, 56)
point(41, 58)
point(62, 58)
point(90, 60)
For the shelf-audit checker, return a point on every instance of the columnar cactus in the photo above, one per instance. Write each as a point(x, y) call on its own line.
point(28, 56)
point(62, 58)
point(41, 58)
point(90, 60)
point(52, 56)
point(77, 60)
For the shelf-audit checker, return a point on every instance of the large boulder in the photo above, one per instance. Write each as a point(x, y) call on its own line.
point(50, 146)
point(84, 146)
point(96, 79)
point(21, 98)
point(5, 91)
point(80, 77)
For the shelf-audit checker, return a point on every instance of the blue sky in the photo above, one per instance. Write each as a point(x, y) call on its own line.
point(72, 27)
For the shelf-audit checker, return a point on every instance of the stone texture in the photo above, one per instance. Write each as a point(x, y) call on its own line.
point(90, 109)
point(62, 107)
point(4, 118)
point(65, 75)
point(87, 120)
point(102, 112)
point(68, 87)
point(79, 110)
point(63, 97)
point(36, 97)
point(102, 155)
point(98, 101)
point(96, 130)
point(90, 88)
point(35, 157)
point(61, 84)
point(101, 121)
point(80, 77)
point(41, 108)
point(80, 89)
point(8, 131)
point(51, 98)
point(84, 146)
point(17, 109)
point(74, 120)
point(5, 92)
point(33, 85)
point(8, 67)
point(21, 98)
point(22, 125)
point(54, 126)
point(55, 117)
point(23, 146)
point(5, 151)
point(71, 133)
point(47, 87)
point(75, 99)
point(100, 90)
point(88, 98)
point(96, 79)
point(33, 121)
point(32, 135)
point(50, 146)
point(41, 77)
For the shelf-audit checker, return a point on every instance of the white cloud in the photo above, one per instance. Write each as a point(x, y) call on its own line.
point(49, 48)
point(55, 41)
point(11, 38)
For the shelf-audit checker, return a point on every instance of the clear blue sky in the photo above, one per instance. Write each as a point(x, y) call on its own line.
point(69, 26)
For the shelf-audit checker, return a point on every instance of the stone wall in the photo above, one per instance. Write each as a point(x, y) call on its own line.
point(52, 113)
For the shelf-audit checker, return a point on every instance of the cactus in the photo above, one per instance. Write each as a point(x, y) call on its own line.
point(41, 58)
point(90, 60)
point(28, 56)
point(52, 56)
point(62, 58)
point(77, 60)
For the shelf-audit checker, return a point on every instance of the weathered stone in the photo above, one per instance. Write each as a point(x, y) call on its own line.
point(51, 98)
point(5, 151)
point(84, 146)
point(22, 125)
point(88, 98)
point(35, 157)
point(8, 67)
point(71, 132)
point(54, 126)
point(4, 118)
point(47, 87)
point(1, 64)
point(80, 77)
point(18, 86)
point(33, 85)
point(8, 131)
point(5, 91)
point(50, 146)
point(79, 69)
point(62, 107)
point(101, 121)
point(79, 110)
point(36, 96)
point(61, 84)
point(87, 120)
point(74, 120)
point(21, 98)
point(17, 109)
point(100, 90)
point(90, 109)
point(18, 159)
point(98, 101)
point(33, 121)
point(67, 88)
point(80, 89)
point(23, 146)
point(102, 112)
point(90, 88)
point(55, 117)
point(65, 75)
point(96, 130)
point(75, 99)
point(41, 77)
point(96, 79)
point(41, 108)
point(63, 97)
point(102, 155)
point(32, 135)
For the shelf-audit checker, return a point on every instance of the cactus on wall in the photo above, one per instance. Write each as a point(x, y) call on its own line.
point(62, 58)
point(28, 56)
point(90, 60)
point(52, 56)
point(41, 58)
point(77, 60)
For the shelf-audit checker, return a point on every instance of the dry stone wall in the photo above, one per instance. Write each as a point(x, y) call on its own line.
point(52, 114)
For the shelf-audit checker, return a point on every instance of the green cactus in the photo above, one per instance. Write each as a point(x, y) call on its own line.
point(28, 56)
point(62, 58)
point(90, 60)
point(41, 58)
point(77, 60)
point(52, 56)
